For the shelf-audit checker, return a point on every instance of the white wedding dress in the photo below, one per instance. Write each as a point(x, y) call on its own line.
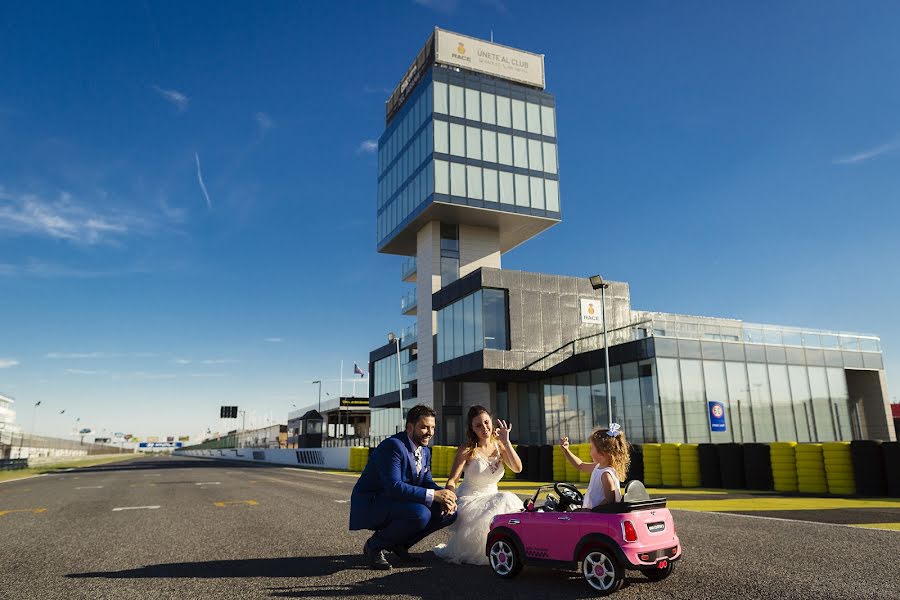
point(478, 501)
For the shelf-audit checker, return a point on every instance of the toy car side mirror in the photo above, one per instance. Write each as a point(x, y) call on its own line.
point(529, 505)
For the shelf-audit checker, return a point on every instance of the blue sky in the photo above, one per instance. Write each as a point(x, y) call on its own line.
point(187, 195)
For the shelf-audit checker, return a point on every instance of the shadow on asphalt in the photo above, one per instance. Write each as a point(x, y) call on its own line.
point(168, 464)
point(297, 566)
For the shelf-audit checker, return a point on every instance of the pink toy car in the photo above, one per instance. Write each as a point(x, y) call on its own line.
point(635, 534)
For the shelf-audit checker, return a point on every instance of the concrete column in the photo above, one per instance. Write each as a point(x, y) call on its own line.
point(428, 281)
point(478, 247)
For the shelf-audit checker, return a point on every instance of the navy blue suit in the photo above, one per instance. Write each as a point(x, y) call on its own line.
point(390, 497)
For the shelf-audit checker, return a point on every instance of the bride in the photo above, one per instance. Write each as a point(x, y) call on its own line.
point(481, 458)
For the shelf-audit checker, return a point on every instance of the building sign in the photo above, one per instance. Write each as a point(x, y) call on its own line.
point(160, 445)
point(476, 55)
point(716, 416)
point(591, 311)
point(354, 402)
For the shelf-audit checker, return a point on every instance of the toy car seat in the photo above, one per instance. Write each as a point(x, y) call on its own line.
point(635, 492)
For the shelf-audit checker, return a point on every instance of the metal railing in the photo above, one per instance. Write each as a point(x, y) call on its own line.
point(588, 343)
point(408, 335)
point(408, 302)
point(25, 445)
point(407, 268)
point(368, 441)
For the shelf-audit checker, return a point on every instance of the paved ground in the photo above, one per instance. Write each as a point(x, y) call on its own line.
point(228, 530)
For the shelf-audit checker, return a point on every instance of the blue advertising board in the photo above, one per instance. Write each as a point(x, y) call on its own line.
point(160, 445)
point(716, 416)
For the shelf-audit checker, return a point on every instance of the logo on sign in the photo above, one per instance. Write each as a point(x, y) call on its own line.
point(716, 416)
point(460, 53)
point(591, 311)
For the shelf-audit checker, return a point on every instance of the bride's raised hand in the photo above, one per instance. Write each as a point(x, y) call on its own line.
point(564, 442)
point(503, 430)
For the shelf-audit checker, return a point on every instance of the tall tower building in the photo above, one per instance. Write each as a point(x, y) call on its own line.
point(467, 170)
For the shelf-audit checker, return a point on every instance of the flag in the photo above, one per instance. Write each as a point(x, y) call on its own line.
point(358, 371)
point(38, 403)
point(62, 411)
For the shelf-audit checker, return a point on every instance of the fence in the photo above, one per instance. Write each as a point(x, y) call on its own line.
point(28, 446)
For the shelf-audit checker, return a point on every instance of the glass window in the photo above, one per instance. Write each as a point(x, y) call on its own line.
point(631, 395)
point(491, 193)
point(717, 390)
point(649, 403)
point(583, 397)
point(672, 410)
point(449, 270)
point(821, 399)
point(739, 394)
point(457, 104)
point(441, 177)
point(570, 401)
point(615, 385)
point(468, 324)
point(520, 152)
point(441, 137)
point(457, 140)
point(537, 192)
point(549, 157)
point(598, 398)
point(840, 403)
point(458, 334)
point(518, 114)
point(781, 403)
point(694, 396)
point(473, 143)
point(473, 180)
point(548, 125)
point(503, 112)
point(457, 179)
point(534, 118)
point(507, 195)
point(473, 105)
point(488, 111)
point(801, 403)
point(504, 149)
point(479, 321)
point(495, 319)
point(521, 190)
point(489, 146)
point(535, 160)
point(447, 341)
point(761, 403)
point(552, 194)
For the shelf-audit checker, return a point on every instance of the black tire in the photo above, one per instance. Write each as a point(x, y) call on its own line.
point(601, 571)
point(504, 558)
point(654, 574)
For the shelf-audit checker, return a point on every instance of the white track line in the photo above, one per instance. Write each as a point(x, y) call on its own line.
point(89, 487)
point(713, 512)
point(135, 508)
point(209, 483)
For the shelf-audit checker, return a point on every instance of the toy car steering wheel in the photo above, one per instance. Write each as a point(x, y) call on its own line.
point(568, 495)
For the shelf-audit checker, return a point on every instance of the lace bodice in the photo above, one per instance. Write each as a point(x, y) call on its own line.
point(482, 474)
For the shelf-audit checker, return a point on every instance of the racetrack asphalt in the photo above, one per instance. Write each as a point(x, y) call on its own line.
point(237, 530)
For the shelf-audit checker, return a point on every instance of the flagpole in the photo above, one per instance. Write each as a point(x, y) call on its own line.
point(342, 384)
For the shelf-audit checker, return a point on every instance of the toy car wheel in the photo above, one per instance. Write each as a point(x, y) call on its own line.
point(657, 574)
point(504, 559)
point(602, 571)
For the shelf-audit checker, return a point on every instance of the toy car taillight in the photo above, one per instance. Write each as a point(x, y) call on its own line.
point(629, 531)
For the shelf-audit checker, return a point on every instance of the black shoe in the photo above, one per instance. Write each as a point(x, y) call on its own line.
point(404, 556)
point(376, 558)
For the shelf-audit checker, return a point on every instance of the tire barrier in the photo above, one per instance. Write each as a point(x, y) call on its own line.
point(868, 467)
point(670, 465)
point(811, 469)
point(584, 453)
point(533, 472)
point(522, 451)
point(636, 467)
point(571, 474)
point(710, 475)
point(359, 457)
point(731, 466)
point(689, 465)
point(652, 467)
point(758, 467)
point(838, 468)
point(507, 472)
point(891, 453)
point(784, 466)
point(545, 473)
point(559, 464)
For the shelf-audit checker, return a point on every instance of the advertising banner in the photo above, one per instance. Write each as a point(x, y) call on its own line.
point(716, 416)
point(591, 311)
point(477, 55)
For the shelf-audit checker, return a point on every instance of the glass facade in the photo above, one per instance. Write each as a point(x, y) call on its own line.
point(385, 375)
point(472, 323)
point(472, 140)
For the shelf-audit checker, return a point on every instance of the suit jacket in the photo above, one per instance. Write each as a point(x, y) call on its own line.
point(390, 476)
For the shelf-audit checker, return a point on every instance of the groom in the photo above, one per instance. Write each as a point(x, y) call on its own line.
point(395, 495)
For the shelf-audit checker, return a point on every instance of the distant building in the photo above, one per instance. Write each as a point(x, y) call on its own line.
point(7, 416)
point(468, 170)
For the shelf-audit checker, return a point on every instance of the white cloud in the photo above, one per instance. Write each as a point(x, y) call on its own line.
point(200, 181)
point(65, 219)
point(367, 147)
point(865, 155)
point(174, 96)
point(183, 361)
point(6, 363)
point(209, 374)
point(442, 6)
point(69, 355)
point(275, 340)
point(218, 361)
point(84, 372)
point(264, 122)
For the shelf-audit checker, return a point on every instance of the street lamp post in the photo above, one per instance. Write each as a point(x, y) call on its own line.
point(319, 381)
point(394, 339)
point(598, 284)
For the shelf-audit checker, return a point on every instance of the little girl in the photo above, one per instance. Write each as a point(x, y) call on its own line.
point(611, 455)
